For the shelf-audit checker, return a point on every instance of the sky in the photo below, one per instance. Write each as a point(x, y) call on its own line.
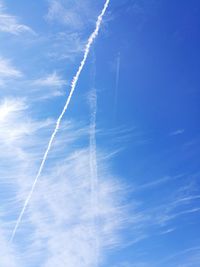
point(120, 182)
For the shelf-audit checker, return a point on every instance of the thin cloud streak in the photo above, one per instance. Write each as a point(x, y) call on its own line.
point(7, 70)
point(117, 83)
point(177, 132)
point(48, 86)
point(10, 24)
point(51, 80)
point(73, 85)
point(93, 169)
point(73, 15)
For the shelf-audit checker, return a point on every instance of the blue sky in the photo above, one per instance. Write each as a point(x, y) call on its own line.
point(120, 186)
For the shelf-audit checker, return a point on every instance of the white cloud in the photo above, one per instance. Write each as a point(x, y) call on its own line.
point(67, 16)
point(66, 46)
point(74, 15)
point(159, 182)
point(48, 86)
point(190, 257)
point(52, 80)
point(177, 132)
point(7, 254)
point(61, 225)
point(10, 24)
point(7, 70)
point(75, 19)
point(71, 236)
point(10, 106)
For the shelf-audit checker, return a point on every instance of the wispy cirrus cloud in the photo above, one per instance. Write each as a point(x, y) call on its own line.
point(74, 15)
point(51, 80)
point(74, 18)
point(189, 257)
point(11, 24)
point(159, 182)
point(58, 13)
point(48, 86)
point(56, 237)
point(8, 256)
point(66, 46)
point(7, 70)
point(177, 132)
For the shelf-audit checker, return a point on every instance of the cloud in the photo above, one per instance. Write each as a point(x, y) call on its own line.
point(75, 19)
point(7, 70)
point(58, 227)
point(74, 15)
point(159, 182)
point(190, 257)
point(52, 80)
point(16, 124)
point(66, 46)
point(7, 255)
point(10, 24)
point(70, 236)
point(177, 132)
point(59, 13)
point(49, 86)
point(10, 106)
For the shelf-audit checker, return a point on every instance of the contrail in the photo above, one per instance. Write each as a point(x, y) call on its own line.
point(73, 86)
point(93, 163)
point(94, 172)
point(117, 83)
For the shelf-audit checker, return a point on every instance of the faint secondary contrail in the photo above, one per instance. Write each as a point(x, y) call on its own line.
point(73, 86)
point(94, 172)
point(117, 83)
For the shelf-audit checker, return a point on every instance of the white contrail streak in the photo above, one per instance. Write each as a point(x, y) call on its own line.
point(117, 83)
point(73, 86)
point(94, 172)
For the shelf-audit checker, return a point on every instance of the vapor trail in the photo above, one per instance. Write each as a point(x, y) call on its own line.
point(73, 86)
point(117, 83)
point(94, 172)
